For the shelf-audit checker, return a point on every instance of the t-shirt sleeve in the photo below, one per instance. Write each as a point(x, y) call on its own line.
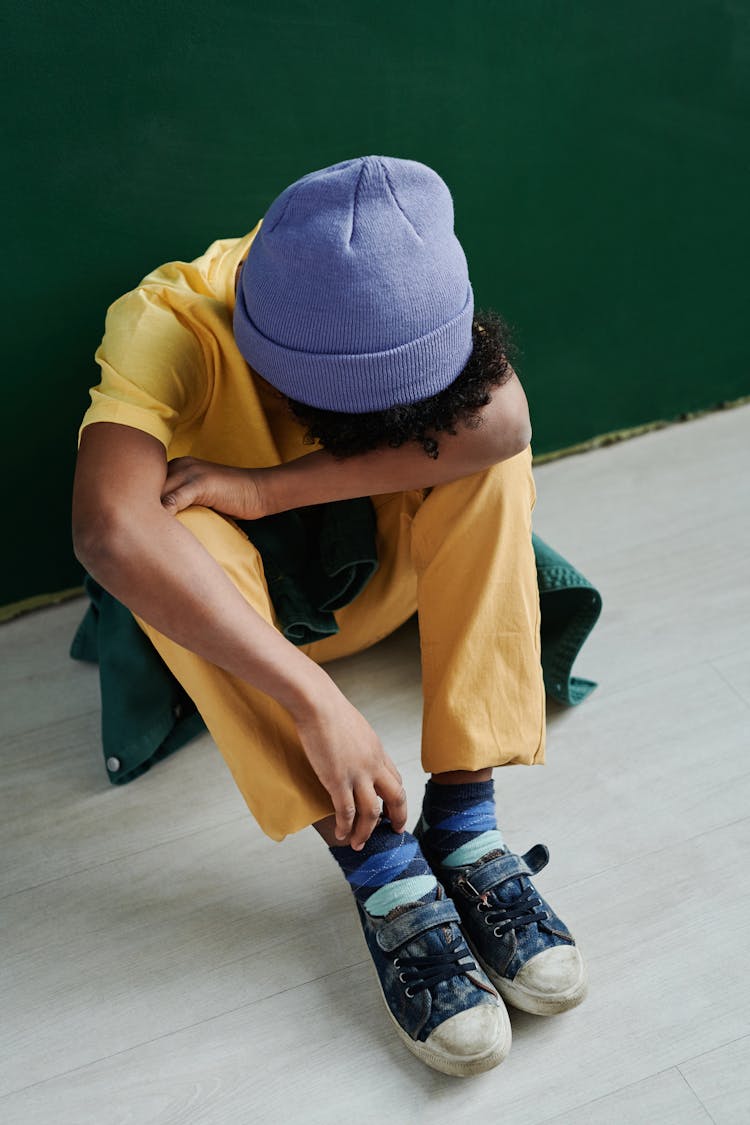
point(153, 370)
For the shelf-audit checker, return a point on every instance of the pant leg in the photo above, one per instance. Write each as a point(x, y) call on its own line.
point(390, 597)
point(479, 621)
point(255, 734)
point(463, 557)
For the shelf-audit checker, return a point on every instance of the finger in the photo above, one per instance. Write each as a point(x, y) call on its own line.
point(392, 767)
point(368, 815)
point(394, 799)
point(345, 809)
point(181, 496)
point(175, 476)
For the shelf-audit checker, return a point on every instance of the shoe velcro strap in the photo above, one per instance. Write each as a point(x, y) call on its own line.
point(413, 922)
point(488, 875)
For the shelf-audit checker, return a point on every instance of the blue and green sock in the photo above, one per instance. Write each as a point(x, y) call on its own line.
point(389, 871)
point(458, 824)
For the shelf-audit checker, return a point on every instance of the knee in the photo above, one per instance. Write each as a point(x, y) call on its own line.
point(197, 517)
point(219, 534)
point(235, 553)
point(207, 525)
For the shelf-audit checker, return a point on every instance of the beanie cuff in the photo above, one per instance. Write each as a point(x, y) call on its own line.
point(360, 383)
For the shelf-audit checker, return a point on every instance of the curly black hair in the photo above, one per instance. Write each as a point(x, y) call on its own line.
point(489, 365)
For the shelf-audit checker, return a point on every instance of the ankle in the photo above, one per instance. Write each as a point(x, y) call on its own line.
point(458, 825)
point(461, 777)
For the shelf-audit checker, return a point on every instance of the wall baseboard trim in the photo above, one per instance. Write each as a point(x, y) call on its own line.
point(40, 601)
point(635, 431)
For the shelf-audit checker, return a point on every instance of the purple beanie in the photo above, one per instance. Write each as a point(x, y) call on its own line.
point(355, 293)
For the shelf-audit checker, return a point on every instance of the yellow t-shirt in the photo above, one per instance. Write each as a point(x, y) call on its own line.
point(170, 366)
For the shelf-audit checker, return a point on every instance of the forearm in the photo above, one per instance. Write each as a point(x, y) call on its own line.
point(157, 567)
point(319, 477)
point(503, 431)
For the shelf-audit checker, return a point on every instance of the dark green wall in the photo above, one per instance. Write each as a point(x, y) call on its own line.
point(597, 154)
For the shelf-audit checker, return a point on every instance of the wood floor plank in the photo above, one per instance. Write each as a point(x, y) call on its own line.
point(663, 1098)
point(734, 668)
point(631, 772)
point(721, 1079)
point(162, 939)
point(39, 683)
point(662, 528)
point(59, 812)
point(83, 935)
point(670, 482)
point(326, 1051)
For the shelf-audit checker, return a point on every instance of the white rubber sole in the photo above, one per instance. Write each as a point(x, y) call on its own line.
point(459, 1066)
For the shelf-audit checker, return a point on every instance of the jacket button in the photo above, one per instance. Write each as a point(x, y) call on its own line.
point(113, 764)
point(177, 710)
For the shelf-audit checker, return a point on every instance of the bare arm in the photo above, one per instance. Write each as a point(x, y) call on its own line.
point(156, 567)
point(149, 561)
point(320, 478)
point(504, 431)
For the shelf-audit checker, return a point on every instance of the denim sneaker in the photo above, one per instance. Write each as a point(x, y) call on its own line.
point(525, 949)
point(443, 1007)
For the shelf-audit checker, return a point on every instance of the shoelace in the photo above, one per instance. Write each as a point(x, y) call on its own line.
point(505, 916)
point(428, 970)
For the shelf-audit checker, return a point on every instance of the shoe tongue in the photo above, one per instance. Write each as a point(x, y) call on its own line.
point(509, 890)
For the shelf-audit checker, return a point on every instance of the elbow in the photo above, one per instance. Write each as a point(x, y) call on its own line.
point(111, 544)
point(524, 436)
point(90, 551)
point(522, 427)
point(99, 545)
point(511, 441)
point(510, 420)
point(506, 423)
point(84, 549)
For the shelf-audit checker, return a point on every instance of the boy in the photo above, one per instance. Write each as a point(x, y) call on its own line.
point(346, 319)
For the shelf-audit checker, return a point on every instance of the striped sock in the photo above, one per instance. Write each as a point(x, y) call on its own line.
point(459, 822)
point(389, 871)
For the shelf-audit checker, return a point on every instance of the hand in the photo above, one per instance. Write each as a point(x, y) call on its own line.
point(352, 765)
point(235, 492)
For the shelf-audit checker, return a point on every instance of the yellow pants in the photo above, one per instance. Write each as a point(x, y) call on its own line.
point(460, 554)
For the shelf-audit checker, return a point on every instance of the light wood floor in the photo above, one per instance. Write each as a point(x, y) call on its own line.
point(163, 961)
